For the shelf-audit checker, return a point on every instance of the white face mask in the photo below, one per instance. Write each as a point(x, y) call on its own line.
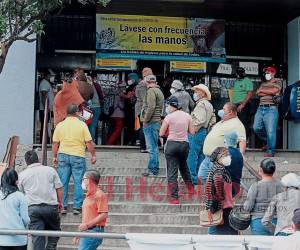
point(268, 77)
point(196, 97)
point(169, 110)
point(52, 79)
point(172, 91)
point(83, 186)
point(226, 161)
point(130, 82)
point(221, 113)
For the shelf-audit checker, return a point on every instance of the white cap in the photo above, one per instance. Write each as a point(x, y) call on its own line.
point(291, 180)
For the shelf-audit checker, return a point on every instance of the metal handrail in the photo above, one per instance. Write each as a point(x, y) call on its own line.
point(252, 171)
point(59, 234)
point(62, 234)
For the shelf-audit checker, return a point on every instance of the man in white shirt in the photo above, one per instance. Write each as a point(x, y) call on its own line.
point(291, 242)
point(43, 190)
point(45, 89)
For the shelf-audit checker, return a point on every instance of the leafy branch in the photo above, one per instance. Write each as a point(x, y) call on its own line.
point(23, 20)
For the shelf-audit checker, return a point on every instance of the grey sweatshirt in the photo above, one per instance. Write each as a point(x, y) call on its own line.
point(259, 197)
point(284, 204)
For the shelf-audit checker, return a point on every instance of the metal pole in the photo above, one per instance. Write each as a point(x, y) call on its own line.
point(30, 242)
point(45, 133)
point(62, 234)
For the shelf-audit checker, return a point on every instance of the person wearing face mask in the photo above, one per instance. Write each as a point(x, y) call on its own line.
point(94, 211)
point(266, 117)
point(260, 195)
point(215, 138)
point(97, 103)
point(178, 124)
point(151, 116)
point(140, 93)
point(45, 89)
point(218, 190)
point(202, 118)
point(129, 105)
point(283, 205)
point(242, 94)
point(185, 100)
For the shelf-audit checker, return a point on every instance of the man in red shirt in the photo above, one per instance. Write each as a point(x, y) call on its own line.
point(94, 211)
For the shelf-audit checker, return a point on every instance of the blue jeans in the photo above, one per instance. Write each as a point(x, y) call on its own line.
point(258, 229)
point(151, 131)
point(265, 126)
point(94, 124)
point(91, 243)
point(196, 155)
point(71, 165)
point(205, 166)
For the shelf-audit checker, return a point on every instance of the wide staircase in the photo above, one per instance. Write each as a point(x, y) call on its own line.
point(139, 205)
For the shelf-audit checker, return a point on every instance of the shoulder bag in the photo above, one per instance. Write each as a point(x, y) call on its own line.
point(209, 219)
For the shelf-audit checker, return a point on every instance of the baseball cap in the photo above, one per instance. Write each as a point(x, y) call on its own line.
point(270, 69)
point(173, 101)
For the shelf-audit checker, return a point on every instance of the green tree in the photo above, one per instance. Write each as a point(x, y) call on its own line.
point(23, 20)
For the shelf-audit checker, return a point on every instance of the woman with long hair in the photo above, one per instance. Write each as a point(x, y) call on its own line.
point(13, 210)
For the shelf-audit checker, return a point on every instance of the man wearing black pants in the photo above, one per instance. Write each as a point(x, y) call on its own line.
point(43, 189)
point(177, 124)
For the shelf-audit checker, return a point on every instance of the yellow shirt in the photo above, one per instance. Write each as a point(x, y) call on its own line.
point(215, 138)
point(72, 135)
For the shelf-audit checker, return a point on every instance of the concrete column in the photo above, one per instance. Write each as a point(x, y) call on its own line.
point(294, 75)
point(17, 87)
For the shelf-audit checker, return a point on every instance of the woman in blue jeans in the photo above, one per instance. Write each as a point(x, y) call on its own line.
point(260, 195)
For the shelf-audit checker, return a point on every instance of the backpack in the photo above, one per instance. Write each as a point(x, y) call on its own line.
point(291, 102)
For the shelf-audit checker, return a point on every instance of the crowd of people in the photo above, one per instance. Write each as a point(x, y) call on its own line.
point(207, 153)
point(125, 113)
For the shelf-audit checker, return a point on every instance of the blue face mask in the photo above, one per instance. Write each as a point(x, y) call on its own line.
point(221, 113)
point(196, 97)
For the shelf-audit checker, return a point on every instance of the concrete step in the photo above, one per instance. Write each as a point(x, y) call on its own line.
point(281, 169)
point(143, 218)
point(153, 208)
point(123, 155)
point(107, 243)
point(145, 228)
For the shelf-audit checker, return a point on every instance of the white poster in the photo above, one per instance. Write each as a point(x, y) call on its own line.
point(224, 69)
point(251, 68)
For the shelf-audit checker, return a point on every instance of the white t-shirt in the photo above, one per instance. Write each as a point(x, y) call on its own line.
point(39, 183)
point(46, 87)
point(215, 138)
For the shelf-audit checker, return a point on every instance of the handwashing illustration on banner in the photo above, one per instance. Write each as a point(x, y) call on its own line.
point(142, 36)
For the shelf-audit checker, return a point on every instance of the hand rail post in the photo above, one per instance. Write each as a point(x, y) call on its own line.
point(45, 133)
point(30, 242)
